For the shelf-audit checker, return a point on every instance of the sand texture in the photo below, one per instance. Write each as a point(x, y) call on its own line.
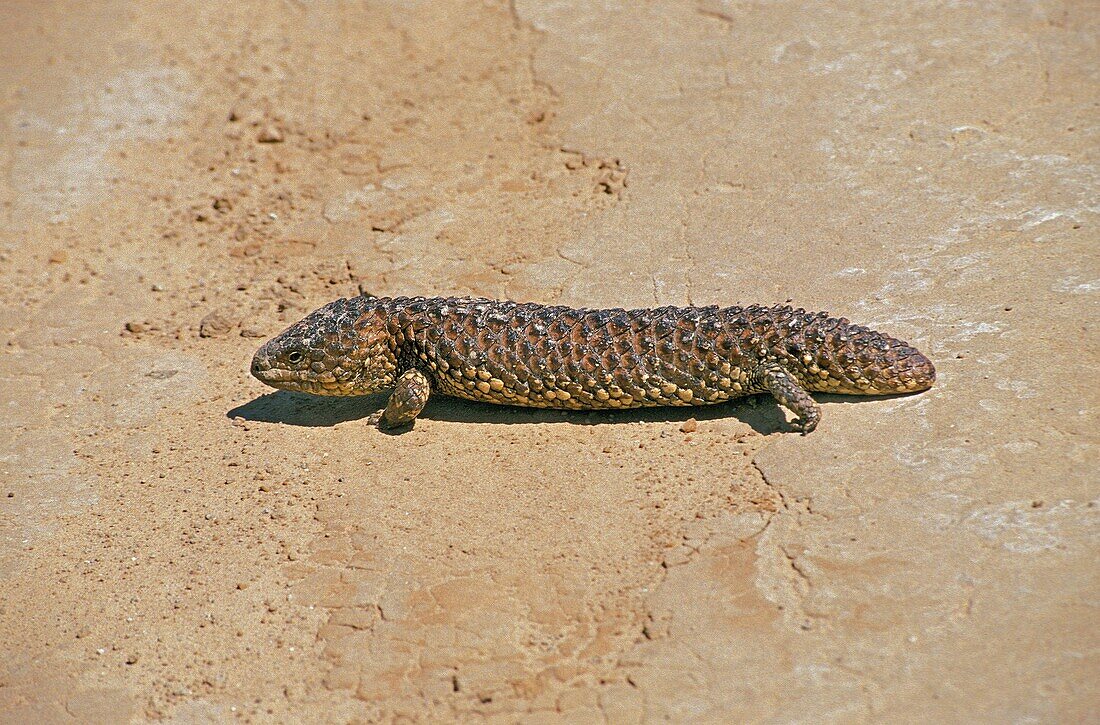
point(180, 181)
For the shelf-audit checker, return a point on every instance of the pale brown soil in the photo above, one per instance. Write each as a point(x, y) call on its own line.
point(182, 180)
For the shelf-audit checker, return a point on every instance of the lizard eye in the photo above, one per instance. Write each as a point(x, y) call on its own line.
point(294, 357)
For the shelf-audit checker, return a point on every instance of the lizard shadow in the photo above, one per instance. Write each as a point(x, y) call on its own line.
point(760, 412)
point(760, 417)
point(311, 411)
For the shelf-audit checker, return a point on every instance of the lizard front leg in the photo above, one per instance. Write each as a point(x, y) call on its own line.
point(792, 396)
point(409, 397)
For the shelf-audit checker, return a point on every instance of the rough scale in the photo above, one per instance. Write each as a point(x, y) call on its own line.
point(558, 357)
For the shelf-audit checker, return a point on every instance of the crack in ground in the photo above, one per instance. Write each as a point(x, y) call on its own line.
point(799, 580)
point(778, 491)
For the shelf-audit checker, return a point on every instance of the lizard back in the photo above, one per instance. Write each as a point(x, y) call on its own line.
point(559, 357)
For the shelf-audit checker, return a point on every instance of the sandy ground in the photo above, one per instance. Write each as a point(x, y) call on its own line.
point(182, 180)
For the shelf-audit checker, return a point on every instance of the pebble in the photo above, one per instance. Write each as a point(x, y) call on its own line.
point(248, 250)
point(270, 134)
point(215, 324)
point(689, 426)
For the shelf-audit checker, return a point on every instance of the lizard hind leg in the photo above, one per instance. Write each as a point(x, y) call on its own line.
point(792, 396)
point(409, 397)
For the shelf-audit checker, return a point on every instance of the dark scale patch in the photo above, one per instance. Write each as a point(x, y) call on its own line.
point(665, 324)
point(599, 318)
point(618, 324)
point(487, 338)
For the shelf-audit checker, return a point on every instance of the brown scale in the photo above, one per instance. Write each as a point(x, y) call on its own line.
point(559, 357)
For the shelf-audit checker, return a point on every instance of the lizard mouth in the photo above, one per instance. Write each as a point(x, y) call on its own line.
point(287, 380)
point(262, 370)
point(268, 374)
point(296, 381)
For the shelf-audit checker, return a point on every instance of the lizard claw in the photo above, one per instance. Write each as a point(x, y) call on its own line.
point(805, 425)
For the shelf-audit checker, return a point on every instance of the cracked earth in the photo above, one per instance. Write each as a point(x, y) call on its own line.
point(180, 544)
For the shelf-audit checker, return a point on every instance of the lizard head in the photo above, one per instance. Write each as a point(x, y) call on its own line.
point(344, 348)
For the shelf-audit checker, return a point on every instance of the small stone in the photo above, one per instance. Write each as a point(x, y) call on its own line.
point(59, 257)
point(689, 426)
point(966, 135)
point(215, 324)
point(222, 204)
point(270, 134)
point(248, 250)
point(136, 327)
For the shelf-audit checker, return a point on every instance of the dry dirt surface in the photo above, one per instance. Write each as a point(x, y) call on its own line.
point(181, 180)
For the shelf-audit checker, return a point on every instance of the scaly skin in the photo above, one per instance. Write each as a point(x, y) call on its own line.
point(557, 357)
